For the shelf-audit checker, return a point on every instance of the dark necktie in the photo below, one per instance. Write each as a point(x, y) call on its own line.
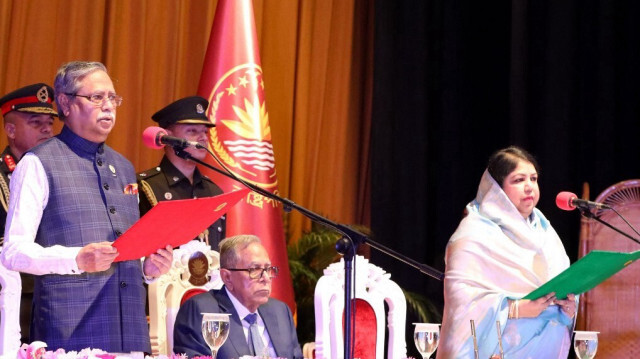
point(255, 339)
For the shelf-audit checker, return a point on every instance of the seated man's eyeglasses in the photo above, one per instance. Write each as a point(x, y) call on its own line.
point(257, 273)
point(99, 99)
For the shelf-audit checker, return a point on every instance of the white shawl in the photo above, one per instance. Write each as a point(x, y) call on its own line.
point(495, 254)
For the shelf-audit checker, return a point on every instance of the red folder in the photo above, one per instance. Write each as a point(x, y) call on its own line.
point(173, 223)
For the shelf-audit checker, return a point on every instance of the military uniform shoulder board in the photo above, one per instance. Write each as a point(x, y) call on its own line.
point(145, 187)
point(149, 173)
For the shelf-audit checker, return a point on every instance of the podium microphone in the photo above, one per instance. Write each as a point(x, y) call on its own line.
point(569, 201)
point(156, 137)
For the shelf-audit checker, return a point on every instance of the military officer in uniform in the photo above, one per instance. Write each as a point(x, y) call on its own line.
point(176, 177)
point(28, 120)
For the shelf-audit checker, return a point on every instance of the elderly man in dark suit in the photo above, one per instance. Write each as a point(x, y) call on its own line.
point(71, 197)
point(259, 325)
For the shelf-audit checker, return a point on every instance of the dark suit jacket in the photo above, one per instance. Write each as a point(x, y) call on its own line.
point(187, 334)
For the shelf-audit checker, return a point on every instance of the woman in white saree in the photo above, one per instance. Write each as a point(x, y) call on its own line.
point(502, 250)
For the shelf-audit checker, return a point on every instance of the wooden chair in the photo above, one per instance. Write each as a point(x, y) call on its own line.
point(373, 288)
point(9, 312)
point(195, 270)
point(612, 307)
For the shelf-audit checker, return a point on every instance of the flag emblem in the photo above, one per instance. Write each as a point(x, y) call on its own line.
point(242, 136)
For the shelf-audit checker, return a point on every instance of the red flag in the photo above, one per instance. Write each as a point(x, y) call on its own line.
point(232, 81)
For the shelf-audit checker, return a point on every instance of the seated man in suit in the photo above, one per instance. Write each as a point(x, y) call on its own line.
point(247, 273)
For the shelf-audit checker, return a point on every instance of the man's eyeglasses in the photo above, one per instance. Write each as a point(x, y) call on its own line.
point(99, 99)
point(257, 273)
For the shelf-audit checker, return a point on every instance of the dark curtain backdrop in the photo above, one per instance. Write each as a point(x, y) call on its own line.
point(456, 80)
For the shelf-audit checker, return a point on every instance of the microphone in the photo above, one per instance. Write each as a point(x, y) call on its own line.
point(569, 201)
point(156, 137)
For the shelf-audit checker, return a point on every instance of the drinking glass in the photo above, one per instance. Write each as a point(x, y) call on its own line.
point(426, 337)
point(585, 344)
point(215, 330)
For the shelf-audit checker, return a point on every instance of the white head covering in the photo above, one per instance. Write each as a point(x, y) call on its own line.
point(494, 254)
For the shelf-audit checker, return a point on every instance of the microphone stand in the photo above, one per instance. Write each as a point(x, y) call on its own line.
point(347, 246)
point(588, 214)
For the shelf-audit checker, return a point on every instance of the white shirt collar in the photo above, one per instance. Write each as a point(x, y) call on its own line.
point(240, 308)
point(243, 312)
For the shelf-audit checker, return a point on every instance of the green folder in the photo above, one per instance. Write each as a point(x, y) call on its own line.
point(585, 274)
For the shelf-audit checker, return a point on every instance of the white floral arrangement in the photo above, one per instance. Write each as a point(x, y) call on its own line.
point(38, 350)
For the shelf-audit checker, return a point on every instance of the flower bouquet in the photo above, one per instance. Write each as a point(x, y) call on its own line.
point(38, 350)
